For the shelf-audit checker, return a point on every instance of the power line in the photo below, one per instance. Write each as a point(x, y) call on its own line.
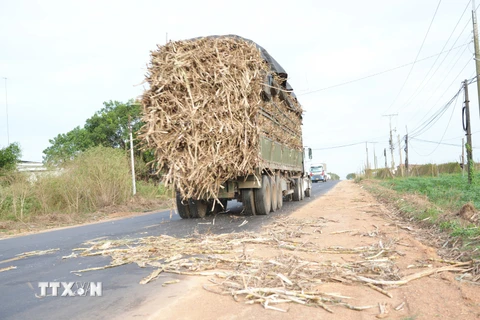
point(442, 143)
point(344, 145)
point(427, 124)
point(422, 86)
point(420, 50)
point(434, 118)
point(445, 77)
point(446, 128)
point(381, 72)
point(458, 137)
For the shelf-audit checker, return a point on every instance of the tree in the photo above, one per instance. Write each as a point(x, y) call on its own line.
point(334, 176)
point(107, 127)
point(66, 146)
point(351, 176)
point(9, 156)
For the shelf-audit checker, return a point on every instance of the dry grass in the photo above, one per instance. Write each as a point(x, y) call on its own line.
point(269, 267)
point(204, 112)
point(89, 188)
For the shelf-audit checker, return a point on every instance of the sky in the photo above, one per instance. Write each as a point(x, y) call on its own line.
point(351, 64)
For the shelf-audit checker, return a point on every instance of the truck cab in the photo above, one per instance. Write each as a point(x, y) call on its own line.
point(317, 173)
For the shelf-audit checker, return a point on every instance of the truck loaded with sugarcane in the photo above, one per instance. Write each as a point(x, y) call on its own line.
point(224, 124)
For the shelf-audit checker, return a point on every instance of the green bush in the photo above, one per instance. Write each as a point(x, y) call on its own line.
point(17, 198)
point(97, 178)
point(9, 156)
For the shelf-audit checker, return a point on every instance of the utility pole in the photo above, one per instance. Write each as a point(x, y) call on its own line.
point(463, 157)
point(406, 153)
point(134, 191)
point(466, 127)
point(400, 152)
point(385, 155)
point(366, 149)
point(477, 53)
point(391, 138)
point(375, 164)
point(6, 108)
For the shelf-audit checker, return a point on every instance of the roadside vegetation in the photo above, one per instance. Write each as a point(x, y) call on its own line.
point(334, 176)
point(444, 201)
point(88, 176)
point(95, 180)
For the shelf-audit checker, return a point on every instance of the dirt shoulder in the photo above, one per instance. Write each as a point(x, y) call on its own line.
point(344, 242)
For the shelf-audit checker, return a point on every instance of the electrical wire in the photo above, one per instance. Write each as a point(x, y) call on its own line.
point(427, 124)
point(437, 116)
point(422, 86)
point(420, 50)
point(341, 146)
point(381, 72)
point(450, 70)
point(458, 137)
point(446, 128)
point(438, 142)
point(445, 77)
point(344, 145)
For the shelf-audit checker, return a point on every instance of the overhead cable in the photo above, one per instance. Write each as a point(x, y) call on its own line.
point(381, 72)
point(423, 84)
point(420, 50)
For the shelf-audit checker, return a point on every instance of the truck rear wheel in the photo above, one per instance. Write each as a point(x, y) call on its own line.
point(263, 197)
point(274, 194)
point(183, 208)
point(308, 193)
point(198, 208)
point(302, 192)
point(297, 190)
point(248, 202)
point(279, 192)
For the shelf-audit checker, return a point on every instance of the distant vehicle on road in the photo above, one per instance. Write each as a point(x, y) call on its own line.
point(317, 172)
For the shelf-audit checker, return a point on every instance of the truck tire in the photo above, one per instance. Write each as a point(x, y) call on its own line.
point(263, 197)
point(198, 208)
point(279, 192)
point(183, 208)
point(274, 194)
point(308, 193)
point(302, 192)
point(296, 195)
point(248, 202)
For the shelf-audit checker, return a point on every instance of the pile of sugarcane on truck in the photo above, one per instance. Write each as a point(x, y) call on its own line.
point(277, 166)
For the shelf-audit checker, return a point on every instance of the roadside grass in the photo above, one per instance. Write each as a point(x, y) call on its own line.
point(435, 201)
point(449, 191)
point(151, 191)
point(97, 179)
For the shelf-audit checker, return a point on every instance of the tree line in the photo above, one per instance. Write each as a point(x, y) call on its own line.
point(108, 127)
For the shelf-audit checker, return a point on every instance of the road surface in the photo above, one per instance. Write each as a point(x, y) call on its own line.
point(121, 290)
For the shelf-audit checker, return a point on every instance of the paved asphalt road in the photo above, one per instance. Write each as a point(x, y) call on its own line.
point(121, 291)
